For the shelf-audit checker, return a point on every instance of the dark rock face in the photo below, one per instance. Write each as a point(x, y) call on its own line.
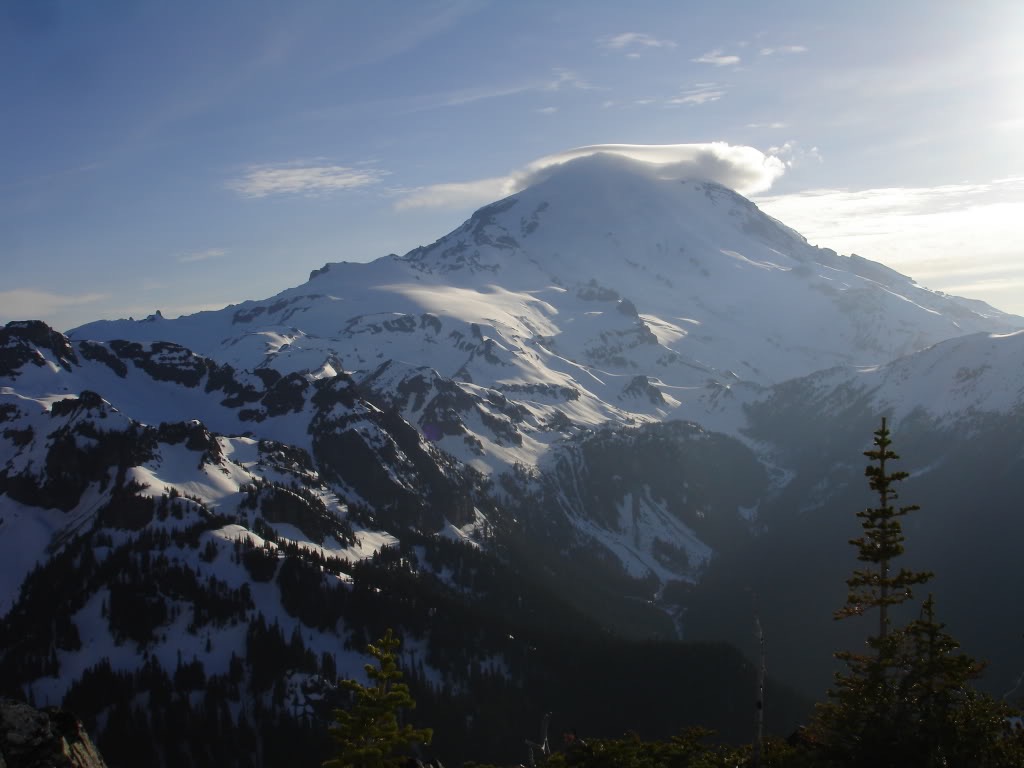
point(164, 361)
point(93, 350)
point(49, 738)
point(21, 342)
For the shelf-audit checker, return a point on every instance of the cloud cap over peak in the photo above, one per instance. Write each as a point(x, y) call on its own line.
point(744, 169)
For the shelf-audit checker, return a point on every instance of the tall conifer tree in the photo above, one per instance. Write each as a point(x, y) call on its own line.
point(876, 585)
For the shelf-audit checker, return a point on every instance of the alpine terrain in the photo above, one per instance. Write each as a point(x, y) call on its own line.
point(591, 433)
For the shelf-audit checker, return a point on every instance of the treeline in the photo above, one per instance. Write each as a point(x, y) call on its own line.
point(186, 718)
point(488, 645)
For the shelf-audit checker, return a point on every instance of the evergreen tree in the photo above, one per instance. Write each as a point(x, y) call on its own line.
point(909, 702)
point(950, 723)
point(369, 733)
point(875, 585)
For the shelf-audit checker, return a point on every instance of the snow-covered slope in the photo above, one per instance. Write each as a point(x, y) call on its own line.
point(951, 382)
point(627, 369)
point(600, 296)
point(595, 274)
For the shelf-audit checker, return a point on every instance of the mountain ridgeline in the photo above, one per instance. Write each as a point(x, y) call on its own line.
point(567, 452)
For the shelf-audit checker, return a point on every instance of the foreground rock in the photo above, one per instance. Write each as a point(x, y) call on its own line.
point(50, 738)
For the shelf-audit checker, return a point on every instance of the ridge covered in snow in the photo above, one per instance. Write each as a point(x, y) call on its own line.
point(641, 372)
point(600, 265)
point(600, 294)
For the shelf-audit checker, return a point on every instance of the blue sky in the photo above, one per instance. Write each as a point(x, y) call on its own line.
point(182, 156)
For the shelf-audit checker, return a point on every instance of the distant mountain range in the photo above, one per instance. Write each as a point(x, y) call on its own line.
point(610, 403)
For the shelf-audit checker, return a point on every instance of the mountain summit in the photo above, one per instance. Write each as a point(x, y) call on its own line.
point(600, 264)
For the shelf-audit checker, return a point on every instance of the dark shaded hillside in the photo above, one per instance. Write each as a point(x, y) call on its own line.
point(966, 480)
point(488, 649)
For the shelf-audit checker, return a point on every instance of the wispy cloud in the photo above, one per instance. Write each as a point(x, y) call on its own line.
point(548, 110)
point(783, 49)
point(465, 96)
point(717, 58)
point(456, 194)
point(566, 78)
point(631, 41)
point(400, 107)
point(560, 79)
point(699, 93)
point(960, 238)
point(194, 256)
point(773, 126)
point(300, 177)
point(792, 153)
point(29, 304)
point(743, 168)
point(872, 211)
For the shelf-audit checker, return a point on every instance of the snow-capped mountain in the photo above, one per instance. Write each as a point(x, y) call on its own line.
point(622, 390)
point(600, 294)
point(604, 265)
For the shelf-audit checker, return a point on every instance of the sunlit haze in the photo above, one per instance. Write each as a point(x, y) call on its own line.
point(186, 156)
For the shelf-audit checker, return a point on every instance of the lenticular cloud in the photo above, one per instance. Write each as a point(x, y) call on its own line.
point(744, 169)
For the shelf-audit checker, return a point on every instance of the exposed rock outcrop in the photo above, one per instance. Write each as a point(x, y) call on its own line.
point(49, 738)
